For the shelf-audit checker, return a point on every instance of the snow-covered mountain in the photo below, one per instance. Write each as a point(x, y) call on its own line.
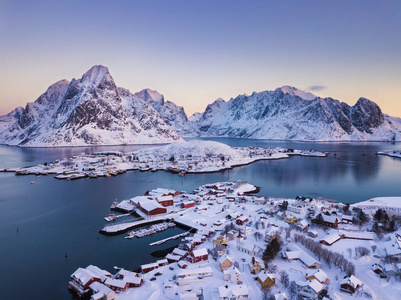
point(195, 117)
point(10, 118)
point(87, 111)
point(289, 113)
point(172, 114)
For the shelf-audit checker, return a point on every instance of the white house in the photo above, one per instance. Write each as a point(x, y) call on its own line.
point(309, 288)
point(233, 292)
point(205, 272)
point(232, 274)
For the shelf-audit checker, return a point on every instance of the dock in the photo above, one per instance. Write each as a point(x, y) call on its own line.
point(115, 217)
point(170, 238)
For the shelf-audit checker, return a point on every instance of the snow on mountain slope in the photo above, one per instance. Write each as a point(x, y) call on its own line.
point(88, 111)
point(172, 114)
point(7, 120)
point(296, 92)
point(195, 117)
point(284, 114)
point(194, 148)
point(394, 122)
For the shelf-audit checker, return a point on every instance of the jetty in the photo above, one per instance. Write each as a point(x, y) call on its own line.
point(170, 238)
point(113, 217)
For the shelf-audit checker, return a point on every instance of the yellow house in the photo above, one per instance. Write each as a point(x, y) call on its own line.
point(266, 280)
point(255, 266)
point(225, 262)
point(319, 275)
point(291, 219)
point(223, 239)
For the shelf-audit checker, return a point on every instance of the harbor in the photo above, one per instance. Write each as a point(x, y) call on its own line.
point(151, 230)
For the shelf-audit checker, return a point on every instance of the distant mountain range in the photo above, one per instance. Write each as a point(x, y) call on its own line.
point(94, 111)
point(291, 114)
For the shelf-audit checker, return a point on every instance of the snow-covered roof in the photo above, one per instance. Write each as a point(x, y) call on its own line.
point(200, 252)
point(99, 272)
point(83, 275)
point(224, 257)
point(231, 291)
point(138, 199)
point(161, 191)
point(352, 281)
point(115, 282)
point(297, 253)
point(330, 219)
point(188, 202)
point(364, 235)
point(233, 270)
point(263, 276)
point(180, 252)
point(280, 296)
point(314, 284)
point(123, 273)
point(98, 287)
point(150, 205)
point(318, 274)
point(165, 198)
point(133, 279)
point(182, 263)
point(332, 238)
point(194, 271)
point(304, 223)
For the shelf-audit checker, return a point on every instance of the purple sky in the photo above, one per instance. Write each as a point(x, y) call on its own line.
point(196, 51)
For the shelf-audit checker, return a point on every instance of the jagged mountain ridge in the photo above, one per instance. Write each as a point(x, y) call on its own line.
point(93, 111)
point(172, 114)
point(290, 114)
point(87, 111)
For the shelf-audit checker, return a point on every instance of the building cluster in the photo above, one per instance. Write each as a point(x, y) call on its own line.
point(225, 251)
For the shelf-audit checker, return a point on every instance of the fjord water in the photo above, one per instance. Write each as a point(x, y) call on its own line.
point(55, 217)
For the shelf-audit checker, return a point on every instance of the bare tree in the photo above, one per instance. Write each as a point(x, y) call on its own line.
point(284, 279)
point(293, 290)
point(349, 252)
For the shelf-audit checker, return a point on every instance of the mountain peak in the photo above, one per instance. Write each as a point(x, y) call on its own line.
point(152, 96)
point(286, 89)
point(96, 75)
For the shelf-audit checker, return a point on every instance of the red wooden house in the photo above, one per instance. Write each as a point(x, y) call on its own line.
point(187, 204)
point(165, 200)
point(198, 255)
point(242, 220)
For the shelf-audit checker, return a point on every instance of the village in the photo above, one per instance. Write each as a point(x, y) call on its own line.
point(243, 246)
point(205, 156)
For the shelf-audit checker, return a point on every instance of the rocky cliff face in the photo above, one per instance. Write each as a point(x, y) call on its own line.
point(288, 113)
point(172, 114)
point(92, 110)
point(87, 111)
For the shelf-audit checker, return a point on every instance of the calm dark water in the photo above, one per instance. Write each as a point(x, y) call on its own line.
point(55, 217)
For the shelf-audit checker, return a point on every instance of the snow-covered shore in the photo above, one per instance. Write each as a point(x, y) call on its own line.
point(185, 157)
point(391, 153)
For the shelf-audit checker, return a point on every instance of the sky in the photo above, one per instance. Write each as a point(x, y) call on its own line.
point(194, 52)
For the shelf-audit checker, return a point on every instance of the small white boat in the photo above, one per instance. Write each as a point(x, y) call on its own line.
point(32, 182)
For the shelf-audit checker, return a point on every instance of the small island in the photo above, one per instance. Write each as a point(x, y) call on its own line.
point(180, 158)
